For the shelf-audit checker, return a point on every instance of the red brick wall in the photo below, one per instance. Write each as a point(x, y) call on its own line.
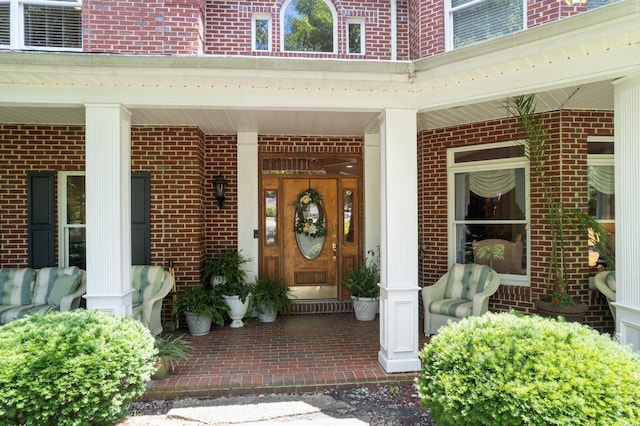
point(158, 27)
point(545, 11)
point(426, 28)
point(568, 132)
point(228, 28)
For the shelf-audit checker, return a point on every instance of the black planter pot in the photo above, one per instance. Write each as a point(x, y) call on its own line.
point(570, 313)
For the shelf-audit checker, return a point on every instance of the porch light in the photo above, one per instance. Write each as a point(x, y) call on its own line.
point(220, 184)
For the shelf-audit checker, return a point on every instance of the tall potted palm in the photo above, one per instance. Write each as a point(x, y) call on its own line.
point(563, 222)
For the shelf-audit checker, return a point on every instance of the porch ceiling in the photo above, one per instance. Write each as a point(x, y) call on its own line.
point(286, 122)
point(569, 64)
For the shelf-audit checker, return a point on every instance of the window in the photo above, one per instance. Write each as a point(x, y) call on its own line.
point(488, 212)
point(308, 26)
point(41, 24)
point(72, 219)
point(261, 33)
point(473, 21)
point(601, 184)
point(355, 33)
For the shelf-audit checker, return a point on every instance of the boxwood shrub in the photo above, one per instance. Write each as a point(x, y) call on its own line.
point(72, 368)
point(508, 369)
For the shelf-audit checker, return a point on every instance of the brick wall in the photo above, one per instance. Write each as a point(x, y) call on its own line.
point(228, 28)
point(568, 132)
point(157, 27)
point(545, 11)
point(426, 28)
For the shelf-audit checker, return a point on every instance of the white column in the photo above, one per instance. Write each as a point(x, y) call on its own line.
point(108, 201)
point(399, 242)
point(627, 159)
point(372, 191)
point(248, 208)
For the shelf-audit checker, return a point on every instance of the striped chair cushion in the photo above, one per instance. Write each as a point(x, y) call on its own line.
point(466, 280)
point(46, 280)
point(611, 280)
point(459, 308)
point(16, 285)
point(146, 282)
point(12, 312)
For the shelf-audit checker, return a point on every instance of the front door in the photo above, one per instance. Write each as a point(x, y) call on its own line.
point(309, 236)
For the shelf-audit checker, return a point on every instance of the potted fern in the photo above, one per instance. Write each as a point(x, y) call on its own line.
point(201, 306)
point(563, 222)
point(270, 297)
point(171, 350)
point(363, 283)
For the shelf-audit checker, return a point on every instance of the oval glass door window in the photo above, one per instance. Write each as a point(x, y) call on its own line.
point(310, 246)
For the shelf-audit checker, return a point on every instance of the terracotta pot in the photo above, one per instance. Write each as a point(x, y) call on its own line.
point(162, 368)
point(570, 313)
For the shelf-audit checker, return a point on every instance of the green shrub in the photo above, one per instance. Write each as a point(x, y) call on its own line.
point(507, 369)
point(72, 368)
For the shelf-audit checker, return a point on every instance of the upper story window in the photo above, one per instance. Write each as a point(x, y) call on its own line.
point(472, 21)
point(309, 26)
point(41, 24)
point(355, 36)
point(594, 4)
point(488, 210)
point(261, 33)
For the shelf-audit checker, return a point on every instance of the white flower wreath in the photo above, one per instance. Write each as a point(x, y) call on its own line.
point(306, 225)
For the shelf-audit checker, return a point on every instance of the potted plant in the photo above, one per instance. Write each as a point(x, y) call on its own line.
point(363, 284)
point(170, 351)
point(270, 297)
point(225, 266)
point(563, 222)
point(201, 306)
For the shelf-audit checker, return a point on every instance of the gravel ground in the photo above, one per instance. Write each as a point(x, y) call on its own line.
point(379, 405)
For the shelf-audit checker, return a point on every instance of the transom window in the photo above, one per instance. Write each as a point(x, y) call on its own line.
point(41, 24)
point(488, 210)
point(473, 21)
point(308, 26)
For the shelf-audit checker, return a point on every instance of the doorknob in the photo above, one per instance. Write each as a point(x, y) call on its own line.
point(334, 247)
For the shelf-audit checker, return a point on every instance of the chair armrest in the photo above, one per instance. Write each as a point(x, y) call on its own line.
point(72, 301)
point(481, 300)
point(600, 282)
point(150, 310)
point(434, 292)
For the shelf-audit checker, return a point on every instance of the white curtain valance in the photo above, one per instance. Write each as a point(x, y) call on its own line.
point(602, 178)
point(492, 183)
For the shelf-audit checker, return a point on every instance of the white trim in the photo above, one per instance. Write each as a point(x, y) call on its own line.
point(261, 17)
point(334, 15)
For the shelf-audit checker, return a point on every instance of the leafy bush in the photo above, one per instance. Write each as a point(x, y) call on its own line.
point(507, 369)
point(72, 368)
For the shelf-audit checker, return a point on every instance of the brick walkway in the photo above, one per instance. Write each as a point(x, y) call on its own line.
point(297, 353)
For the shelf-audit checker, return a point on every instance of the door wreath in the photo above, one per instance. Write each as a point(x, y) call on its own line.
point(305, 224)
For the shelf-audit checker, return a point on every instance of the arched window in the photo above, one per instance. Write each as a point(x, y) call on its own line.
point(308, 26)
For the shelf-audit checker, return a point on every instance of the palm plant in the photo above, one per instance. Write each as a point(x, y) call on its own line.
point(562, 220)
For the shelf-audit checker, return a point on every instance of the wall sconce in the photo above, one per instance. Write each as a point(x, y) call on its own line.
point(220, 184)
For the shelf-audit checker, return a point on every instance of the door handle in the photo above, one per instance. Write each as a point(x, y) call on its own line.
point(334, 247)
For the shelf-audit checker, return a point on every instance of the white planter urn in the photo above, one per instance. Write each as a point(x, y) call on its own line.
point(267, 315)
point(237, 309)
point(365, 308)
point(198, 325)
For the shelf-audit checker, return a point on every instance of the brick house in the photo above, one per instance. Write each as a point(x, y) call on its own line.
point(391, 109)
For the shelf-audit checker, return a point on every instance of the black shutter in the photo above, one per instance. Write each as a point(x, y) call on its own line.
point(140, 219)
point(41, 219)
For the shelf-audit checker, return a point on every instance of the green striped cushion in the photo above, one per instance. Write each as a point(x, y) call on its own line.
point(146, 282)
point(466, 280)
point(16, 285)
point(9, 313)
point(611, 280)
point(46, 280)
point(459, 308)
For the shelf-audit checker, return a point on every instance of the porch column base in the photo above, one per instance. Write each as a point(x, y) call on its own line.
point(628, 325)
point(118, 305)
point(399, 330)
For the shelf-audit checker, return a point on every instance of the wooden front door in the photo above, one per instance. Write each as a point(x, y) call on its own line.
point(312, 267)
